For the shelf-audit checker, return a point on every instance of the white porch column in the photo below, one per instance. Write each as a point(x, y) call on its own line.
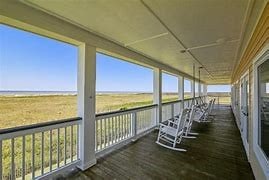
point(181, 91)
point(86, 105)
point(157, 92)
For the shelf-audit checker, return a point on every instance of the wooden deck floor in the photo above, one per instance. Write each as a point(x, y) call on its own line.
point(217, 153)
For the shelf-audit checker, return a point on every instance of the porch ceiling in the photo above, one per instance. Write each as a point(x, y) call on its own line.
point(161, 29)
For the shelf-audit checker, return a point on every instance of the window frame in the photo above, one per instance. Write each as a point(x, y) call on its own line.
point(262, 158)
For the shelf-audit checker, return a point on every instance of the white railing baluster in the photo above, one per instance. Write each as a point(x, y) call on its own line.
point(77, 145)
point(50, 150)
point(96, 135)
point(12, 159)
point(113, 130)
point(58, 147)
point(130, 125)
point(118, 129)
point(126, 125)
point(33, 156)
point(23, 158)
point(65, 145)
point(121, 127)
point(134, 124)
point(143, 120)
point(101, 134)
point(42, 153)
point(71, 145)
point(108, 132)
point(104, 133)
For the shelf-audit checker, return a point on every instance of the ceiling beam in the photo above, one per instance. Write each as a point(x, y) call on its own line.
point(146, 39)
point(171, 32)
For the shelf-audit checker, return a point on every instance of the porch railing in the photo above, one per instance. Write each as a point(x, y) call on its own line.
point(114, 127)
point(33, 151)
point(173, 108)
point(28, 152)
point(170, 109)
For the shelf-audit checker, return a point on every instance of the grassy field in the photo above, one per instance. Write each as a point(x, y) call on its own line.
point(24, 110)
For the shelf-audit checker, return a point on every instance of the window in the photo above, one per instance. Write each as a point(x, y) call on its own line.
point(263, 109)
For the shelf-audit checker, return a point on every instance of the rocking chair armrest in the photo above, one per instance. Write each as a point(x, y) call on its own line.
point(163, 125)
point(172, 122)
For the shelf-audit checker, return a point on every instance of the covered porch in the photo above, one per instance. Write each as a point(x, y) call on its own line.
point(164, 37)
point(217, 152)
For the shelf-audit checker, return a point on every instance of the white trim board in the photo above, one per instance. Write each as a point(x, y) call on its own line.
point(262, 159)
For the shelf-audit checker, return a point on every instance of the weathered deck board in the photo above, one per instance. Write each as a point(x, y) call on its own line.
point(217, 153)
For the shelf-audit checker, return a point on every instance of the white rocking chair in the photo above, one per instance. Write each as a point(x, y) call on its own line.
point(171, 134)
point(188, 124)
point(201, 114)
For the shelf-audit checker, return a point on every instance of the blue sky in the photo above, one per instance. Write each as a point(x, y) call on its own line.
point(218, 88)
point(36, 63)
point(32, 62)
point(169, 83)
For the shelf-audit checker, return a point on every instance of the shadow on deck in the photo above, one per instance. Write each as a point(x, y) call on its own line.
point(217, 153)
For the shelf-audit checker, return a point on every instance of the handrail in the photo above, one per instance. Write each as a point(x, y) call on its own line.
point(141, 107)
point(195, 97)
point(172, 102)
point(33, 126)
point(180, 100)
point(126, 110)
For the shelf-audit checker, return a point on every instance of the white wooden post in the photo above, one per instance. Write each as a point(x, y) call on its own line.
point(181, 91)
point(86, 105)
point(157, 93)
point(134, 125)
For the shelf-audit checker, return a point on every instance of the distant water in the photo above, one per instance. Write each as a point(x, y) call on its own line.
point(44, 93)
point(47, 93)
point(36, 93)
